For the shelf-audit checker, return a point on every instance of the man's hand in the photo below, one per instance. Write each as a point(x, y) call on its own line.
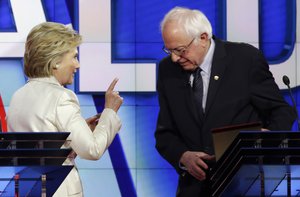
point(112, 98)
point(194, 163)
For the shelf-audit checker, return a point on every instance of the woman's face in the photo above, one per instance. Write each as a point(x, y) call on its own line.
point(67, 68)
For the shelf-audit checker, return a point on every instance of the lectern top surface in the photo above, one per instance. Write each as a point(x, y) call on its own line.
point(34, 136)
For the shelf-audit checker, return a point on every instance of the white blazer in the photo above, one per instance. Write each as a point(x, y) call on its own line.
point(43, 105)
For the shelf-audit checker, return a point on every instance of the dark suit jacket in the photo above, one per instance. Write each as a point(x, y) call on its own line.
point(245, 92)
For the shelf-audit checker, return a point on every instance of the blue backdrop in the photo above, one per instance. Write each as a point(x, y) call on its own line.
point(132, 167)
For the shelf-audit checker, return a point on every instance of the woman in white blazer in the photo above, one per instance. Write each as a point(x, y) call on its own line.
point(43, 104)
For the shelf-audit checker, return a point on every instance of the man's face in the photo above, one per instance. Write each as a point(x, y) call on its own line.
point(189, 52)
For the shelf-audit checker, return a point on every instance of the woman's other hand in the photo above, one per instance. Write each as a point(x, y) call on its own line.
point(93, 121)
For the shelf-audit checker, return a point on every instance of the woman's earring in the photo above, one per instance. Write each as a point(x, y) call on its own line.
point(56, 66)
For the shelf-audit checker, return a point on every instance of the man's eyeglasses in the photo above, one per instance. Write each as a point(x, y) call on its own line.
point(179, 51)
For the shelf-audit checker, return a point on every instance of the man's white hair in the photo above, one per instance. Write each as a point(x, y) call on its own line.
point(194, 22)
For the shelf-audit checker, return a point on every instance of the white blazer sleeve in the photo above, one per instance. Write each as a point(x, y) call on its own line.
point(87, 144)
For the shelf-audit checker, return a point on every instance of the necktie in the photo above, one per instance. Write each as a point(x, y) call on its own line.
point(198, 90)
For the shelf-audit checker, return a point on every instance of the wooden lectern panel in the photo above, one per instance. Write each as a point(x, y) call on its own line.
point(224, 136)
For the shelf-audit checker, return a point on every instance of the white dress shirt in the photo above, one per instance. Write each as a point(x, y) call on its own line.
point(43, 105)
point(206, 70)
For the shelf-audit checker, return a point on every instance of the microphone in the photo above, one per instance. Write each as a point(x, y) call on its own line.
point(286, 81)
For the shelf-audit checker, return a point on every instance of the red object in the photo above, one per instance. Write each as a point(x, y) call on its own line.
point(17, 178)
point(2, 117)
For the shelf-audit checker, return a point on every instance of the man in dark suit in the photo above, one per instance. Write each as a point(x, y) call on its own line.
point(237, 87)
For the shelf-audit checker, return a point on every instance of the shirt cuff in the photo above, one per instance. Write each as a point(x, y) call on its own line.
point(182, 167)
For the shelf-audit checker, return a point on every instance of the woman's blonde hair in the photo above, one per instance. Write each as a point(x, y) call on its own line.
point(45, 46)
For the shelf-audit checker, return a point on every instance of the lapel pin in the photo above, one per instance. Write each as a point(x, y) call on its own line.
point(216, 77)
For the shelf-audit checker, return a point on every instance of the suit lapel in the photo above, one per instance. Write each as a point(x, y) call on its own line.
point(218, 68)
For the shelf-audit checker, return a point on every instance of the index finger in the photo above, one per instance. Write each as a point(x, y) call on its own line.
point(112, 85)
point(209, 157)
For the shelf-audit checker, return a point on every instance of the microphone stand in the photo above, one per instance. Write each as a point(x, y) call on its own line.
point(286, 81)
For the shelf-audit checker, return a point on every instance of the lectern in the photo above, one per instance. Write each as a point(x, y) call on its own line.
point(31, 163)
point(259, 163)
